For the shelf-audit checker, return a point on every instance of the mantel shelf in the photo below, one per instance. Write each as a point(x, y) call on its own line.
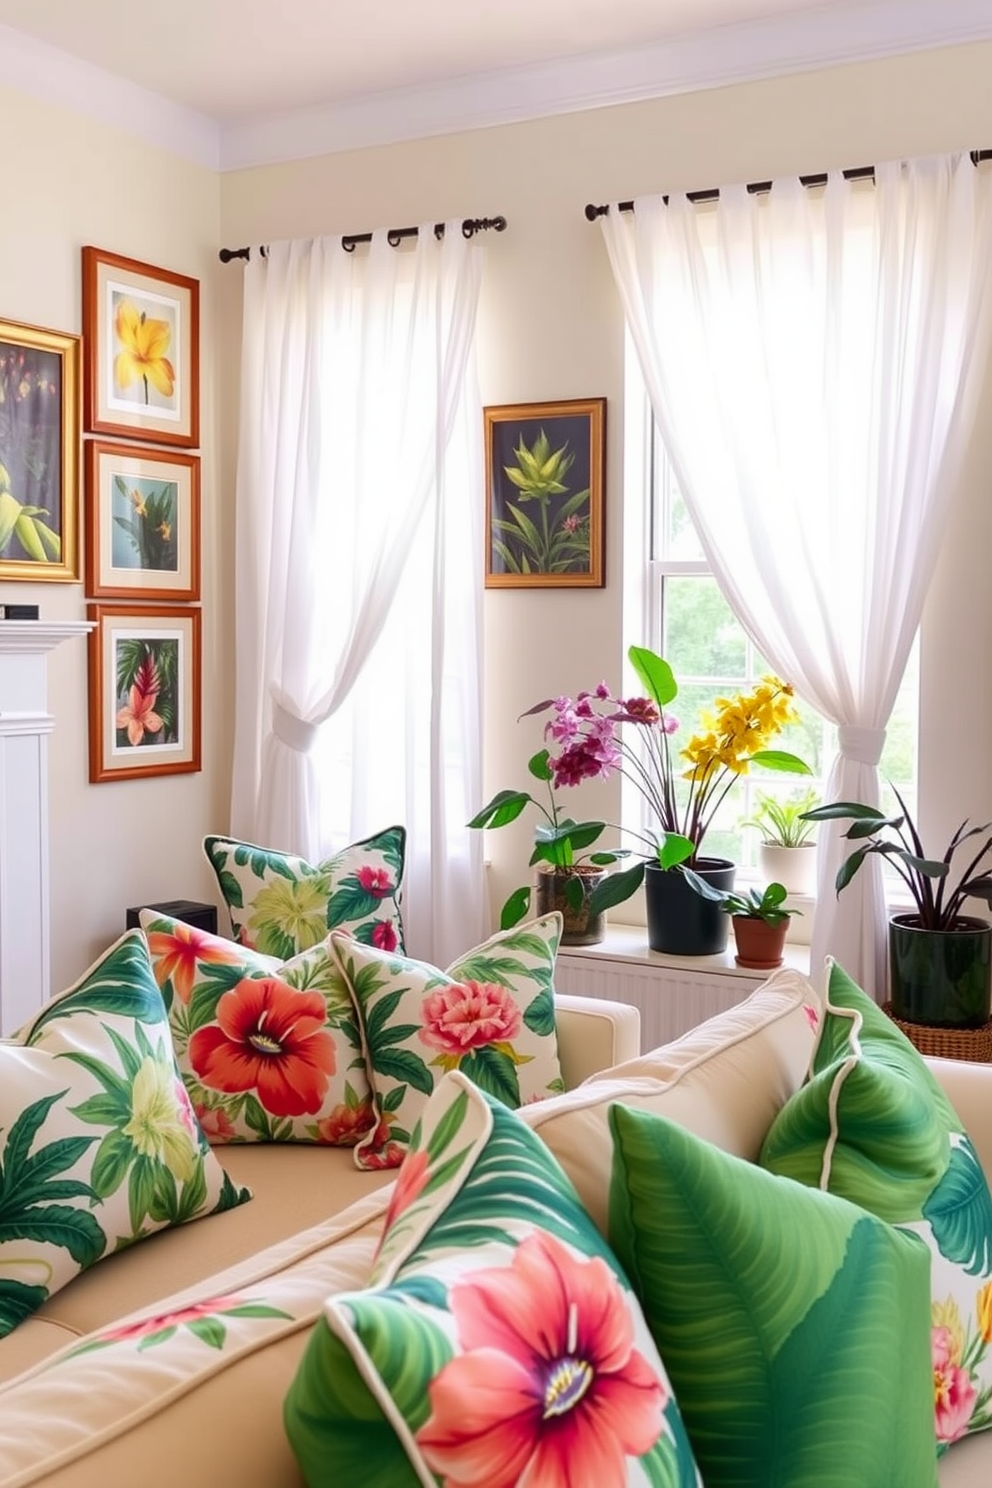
point(40, 635)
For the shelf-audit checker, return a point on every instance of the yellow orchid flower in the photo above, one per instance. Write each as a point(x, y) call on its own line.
point(144, 342)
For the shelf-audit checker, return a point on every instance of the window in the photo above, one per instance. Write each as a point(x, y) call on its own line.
point(678, 610)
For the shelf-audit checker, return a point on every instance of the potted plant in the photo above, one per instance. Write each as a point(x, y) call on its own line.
point(940, 959)
point(759, 918)
point(567, 874)
point(599, 734)
point(786, 851)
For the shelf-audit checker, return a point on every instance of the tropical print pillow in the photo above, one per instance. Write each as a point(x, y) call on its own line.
point(269, 1049)
point(280, 904)
point(99, 1144)
point(499, 1342)
point(873, 1124)
point(793, 1325)
point(491, 1015)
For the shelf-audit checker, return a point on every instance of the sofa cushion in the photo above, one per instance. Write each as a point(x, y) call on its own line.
point(269, 1049)
point(99, 1144)
point(873, 1125)
point(498, 1343)
point(491, 1015)
point(725, 1080)
point(281, 904)
point(189, 1389)
point(794, 1325)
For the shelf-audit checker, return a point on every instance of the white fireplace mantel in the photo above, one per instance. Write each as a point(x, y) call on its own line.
point(25, 724)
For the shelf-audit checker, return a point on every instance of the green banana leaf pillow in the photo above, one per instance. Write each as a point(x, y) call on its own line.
point(498, 1342)
point(873, 1124)
point(280, 904)
point(99, 1145)
point(268, 1049)
point(491, 1014)
point(794, 1326)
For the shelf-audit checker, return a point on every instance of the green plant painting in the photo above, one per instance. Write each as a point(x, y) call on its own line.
point(30, 454)
point(144, 532)
point(545, 488)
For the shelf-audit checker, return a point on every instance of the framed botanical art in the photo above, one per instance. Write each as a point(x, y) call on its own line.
point(545, 478)
point(144, 690)
point(142, 522)
point(39, 453)
point(141, 332)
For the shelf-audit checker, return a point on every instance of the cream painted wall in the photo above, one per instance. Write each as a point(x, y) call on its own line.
point(68, 182)
point(552, 328)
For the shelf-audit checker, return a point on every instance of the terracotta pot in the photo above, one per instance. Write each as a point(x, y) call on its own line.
point(555, 890)
point(759, 944)
point(940, 977)
point(680, 921)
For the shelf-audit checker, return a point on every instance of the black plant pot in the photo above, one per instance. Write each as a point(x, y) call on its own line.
point(680, 921)
point(940, 977)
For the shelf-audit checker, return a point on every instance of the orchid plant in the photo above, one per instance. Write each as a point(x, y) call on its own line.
point(592, 741)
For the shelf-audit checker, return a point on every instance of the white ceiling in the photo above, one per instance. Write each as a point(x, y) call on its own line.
point(234, 82)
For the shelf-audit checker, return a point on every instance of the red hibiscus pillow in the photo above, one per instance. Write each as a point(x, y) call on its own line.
point(269, 1050)
point(491, 1015)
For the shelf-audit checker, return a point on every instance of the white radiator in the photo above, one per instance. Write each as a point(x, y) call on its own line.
point(672, 996)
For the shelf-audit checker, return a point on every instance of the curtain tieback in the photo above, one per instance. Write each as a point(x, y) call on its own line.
point(864, 745)
point(295, 732)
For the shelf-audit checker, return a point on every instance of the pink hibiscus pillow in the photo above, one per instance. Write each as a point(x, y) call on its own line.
point(491, 1015)
point(268, 1050)
point(499, 1339)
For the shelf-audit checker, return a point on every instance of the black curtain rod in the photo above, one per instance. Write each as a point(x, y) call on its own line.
point(394, 237)
point(856, 173)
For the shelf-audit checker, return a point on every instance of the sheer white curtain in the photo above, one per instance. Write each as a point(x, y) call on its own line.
point(358, 477)
point(813, 358)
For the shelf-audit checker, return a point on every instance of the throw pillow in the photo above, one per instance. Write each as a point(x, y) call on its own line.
point(499, 1341)
point(99, 1145)
point(268, 1049)
point(491, 1014)
point(280, 904)
point(873, 1124)
point(793, 1325)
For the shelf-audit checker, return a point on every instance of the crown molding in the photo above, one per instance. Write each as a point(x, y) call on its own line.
point(806, 40)
point(57, 78)
point(835, 34)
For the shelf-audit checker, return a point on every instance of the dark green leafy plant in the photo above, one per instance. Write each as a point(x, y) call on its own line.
point(938, 899)
point(755, 904)
point(559, 841)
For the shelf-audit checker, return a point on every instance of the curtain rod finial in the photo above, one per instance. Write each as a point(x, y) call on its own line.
point(592, 212)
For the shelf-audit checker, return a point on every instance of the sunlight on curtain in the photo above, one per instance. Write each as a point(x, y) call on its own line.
point(813, 358)
point(358, 601)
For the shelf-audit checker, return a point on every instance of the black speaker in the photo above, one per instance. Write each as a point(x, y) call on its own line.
point(203, 916)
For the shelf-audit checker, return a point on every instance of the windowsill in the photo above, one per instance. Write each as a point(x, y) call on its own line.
point(628, 943)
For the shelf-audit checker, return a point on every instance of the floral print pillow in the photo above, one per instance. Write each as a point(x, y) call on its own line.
point(269, 1050)
point(874, 1125)
point(280, 904)
point(99, 1144)
point(499, 1342)
point(491, 1015)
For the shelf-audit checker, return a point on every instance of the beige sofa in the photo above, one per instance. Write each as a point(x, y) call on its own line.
point(72, 1415)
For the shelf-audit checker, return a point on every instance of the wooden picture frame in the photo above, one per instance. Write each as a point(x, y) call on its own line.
point(39, 453)
point(545, 483)
point(145, 665)
point(141, 333)
point(142, 522)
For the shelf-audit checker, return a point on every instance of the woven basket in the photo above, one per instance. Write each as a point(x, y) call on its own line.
point(948, 1043)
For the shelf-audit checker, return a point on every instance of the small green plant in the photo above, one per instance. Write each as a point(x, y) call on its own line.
point(756, 904)
point(783, 823)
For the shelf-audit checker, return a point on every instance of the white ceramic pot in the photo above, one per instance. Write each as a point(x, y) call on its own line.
point(793, 866)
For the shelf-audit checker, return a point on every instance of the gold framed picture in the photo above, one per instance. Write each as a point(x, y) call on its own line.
point(39, 453)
